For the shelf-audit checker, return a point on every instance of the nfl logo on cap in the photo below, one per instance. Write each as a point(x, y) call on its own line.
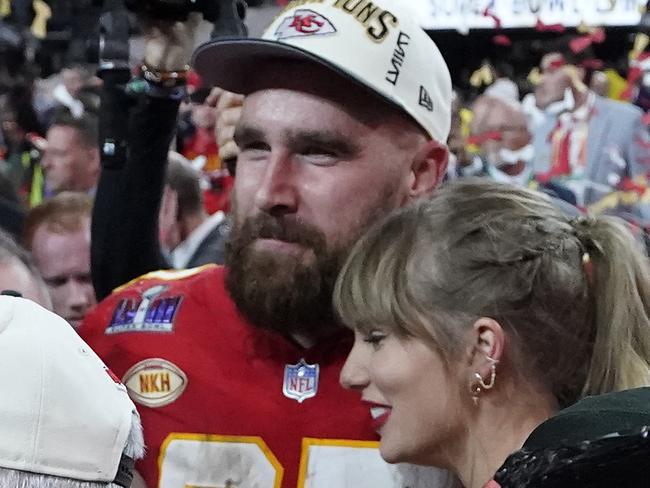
point(300, 380)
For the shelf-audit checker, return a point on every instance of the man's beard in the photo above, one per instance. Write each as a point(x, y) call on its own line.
point(282, 292)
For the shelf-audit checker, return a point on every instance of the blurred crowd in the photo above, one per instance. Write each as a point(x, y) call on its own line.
point(50, 165)
point(570, 129)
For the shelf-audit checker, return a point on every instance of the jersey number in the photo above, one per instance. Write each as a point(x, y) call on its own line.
point(210, 461)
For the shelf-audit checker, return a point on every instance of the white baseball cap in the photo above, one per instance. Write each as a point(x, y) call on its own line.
point(377, 44)
point(62, 412)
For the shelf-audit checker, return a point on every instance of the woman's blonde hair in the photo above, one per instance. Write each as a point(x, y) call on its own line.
point(572, 295)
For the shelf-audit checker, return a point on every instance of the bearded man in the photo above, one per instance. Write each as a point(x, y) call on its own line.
point(236, 368)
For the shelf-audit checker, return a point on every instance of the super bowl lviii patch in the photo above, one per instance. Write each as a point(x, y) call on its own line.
point(153, 311)
point(155, 382)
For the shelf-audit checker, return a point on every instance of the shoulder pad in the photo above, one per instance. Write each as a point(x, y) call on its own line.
point(169, 275)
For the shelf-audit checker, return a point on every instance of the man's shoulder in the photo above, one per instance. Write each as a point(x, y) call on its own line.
point(174, 278)
point(617, 108)
point(152, 302)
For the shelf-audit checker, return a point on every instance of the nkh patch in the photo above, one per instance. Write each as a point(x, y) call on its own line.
point(153, 312)
point(155, 382)
point(300, 380)
point(304, 23)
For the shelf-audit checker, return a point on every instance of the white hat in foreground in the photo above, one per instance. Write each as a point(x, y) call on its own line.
point(377, 44)
point(62, 412)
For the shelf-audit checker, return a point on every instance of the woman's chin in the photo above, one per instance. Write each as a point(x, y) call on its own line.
point(391, 453)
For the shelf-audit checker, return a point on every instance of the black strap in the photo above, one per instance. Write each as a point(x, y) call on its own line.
point(124, 476)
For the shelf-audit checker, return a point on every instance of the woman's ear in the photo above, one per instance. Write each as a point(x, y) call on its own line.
point(487, 345)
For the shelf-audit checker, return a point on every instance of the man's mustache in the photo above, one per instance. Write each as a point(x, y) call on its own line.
point(286, 229)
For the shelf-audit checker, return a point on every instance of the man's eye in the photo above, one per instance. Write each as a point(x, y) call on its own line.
point(319, 156)
point(55, 282)
point(254, 146)
point(318, 151)
point(84, 278)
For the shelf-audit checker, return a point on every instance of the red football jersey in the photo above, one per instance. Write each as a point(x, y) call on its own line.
point(226, 404)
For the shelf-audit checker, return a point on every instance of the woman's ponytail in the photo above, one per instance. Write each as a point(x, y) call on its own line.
point(618, 272)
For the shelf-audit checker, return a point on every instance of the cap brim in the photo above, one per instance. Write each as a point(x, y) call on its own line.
point(233, 64)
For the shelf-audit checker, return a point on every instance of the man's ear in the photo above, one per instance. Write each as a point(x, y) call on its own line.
point(428, 169)
point(487, 344)
point(94, 158)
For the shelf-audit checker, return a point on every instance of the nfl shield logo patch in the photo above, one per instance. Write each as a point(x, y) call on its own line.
point(300, 380)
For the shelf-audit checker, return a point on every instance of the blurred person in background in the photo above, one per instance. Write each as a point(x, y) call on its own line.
point(73, 82)
point(499, 141)
point(18, 273)
point(21, 142)
point(189, 235)
point(197, 138)
point(458, 157)
point(197, 141)
point(71, 158)
point(597, 150)
point(57, 232)
point(12, 211)
point(599, 83)
point(637, 89)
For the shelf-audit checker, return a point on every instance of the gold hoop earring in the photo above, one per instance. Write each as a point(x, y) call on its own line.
point(475, 391)
point(480, 385)
point(493, 374)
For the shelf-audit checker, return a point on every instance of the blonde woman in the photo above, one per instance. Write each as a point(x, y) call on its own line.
point(482, 312)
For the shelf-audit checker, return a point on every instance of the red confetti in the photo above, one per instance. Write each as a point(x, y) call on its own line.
point(480, 139)
point(646, 118)
point(592, 64)
point(630, 185)
point(581, 43)
point(558, 62)
point(497, 20)
point(598, 35)
point(639, 141)
point(502, 40)
point(542, 27)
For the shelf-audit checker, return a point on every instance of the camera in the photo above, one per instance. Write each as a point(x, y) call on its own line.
point(176, 10)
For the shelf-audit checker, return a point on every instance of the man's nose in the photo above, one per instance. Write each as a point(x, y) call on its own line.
point(80, 295)
point(277, 191)
point(45, 160)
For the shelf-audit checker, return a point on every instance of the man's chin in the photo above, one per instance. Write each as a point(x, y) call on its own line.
point(285, 291)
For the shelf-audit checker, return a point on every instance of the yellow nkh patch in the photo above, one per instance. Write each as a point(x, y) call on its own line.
point(155, 382)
